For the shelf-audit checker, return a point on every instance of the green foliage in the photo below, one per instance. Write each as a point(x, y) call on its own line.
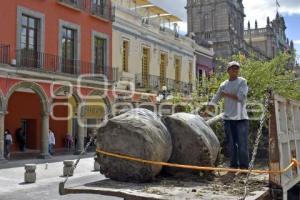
point(261, 75)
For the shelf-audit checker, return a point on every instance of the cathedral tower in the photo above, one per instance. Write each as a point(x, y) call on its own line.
point(217, 22)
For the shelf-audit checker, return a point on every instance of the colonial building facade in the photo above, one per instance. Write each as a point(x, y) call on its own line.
point(54, 58)
point(220, 23)
point(150, 52)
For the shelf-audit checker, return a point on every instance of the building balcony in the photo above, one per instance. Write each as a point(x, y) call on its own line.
point(103, 11)
point(47, 63)
point(152, 82)
point(76, 4)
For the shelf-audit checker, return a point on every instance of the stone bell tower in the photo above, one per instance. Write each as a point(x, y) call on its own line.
point(219, 23)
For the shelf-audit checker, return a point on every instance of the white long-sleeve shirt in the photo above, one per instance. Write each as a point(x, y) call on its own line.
point(8, 137)
point(233, 109)
point(51, 138)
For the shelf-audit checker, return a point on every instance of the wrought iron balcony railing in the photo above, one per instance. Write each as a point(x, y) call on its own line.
point(102, 9)
point(78, 4)
point(156, 83)
point(40, 61)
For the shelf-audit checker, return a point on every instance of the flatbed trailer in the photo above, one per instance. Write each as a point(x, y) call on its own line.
point(284, 146)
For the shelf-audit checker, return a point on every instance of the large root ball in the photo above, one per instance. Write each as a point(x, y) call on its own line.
point(138, 133)
point(194, 142)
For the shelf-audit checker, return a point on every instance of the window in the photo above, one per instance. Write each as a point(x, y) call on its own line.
point(145, 21)
point(29, 41)
point(100, 54)
point(177, 69)
point(99, 60)
point(207, 35)
point(163, 64)
point(29, 33)
point(200, 77)
point(125, 51)
point(206, 22)
point(177, 72)
point(190, 71)
point(73, 3)
point(145, 66)
point(68, 50)
point(98, 7)
point(30, 38)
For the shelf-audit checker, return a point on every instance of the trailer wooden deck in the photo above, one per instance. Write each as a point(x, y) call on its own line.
point(221, 187)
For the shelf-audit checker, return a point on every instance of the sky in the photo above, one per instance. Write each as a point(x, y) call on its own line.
point(255, 10)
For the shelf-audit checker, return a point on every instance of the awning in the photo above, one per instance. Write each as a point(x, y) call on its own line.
point(171, 18)
point(156, 10)
point(141, 2)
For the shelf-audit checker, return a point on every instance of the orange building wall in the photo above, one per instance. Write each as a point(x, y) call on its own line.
point(53, 12)
point(60, 128)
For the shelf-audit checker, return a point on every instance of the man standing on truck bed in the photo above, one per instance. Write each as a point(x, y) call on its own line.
point(236, 125)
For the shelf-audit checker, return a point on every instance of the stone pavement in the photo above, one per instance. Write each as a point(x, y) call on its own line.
point(49, 172)
point(28, 157)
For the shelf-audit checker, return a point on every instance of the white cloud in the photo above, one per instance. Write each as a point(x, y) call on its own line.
point(260, 10)
point(182, 27)
point(289, 7)
point(174, 7)
point(297, 42)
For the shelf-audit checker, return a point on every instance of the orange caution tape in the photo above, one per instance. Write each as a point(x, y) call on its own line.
point(297, 163)
point(294, 162)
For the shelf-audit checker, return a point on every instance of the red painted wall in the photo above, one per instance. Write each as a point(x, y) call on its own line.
point(18, 110)
point(60, 128)
point(53, 12)
point(20, 106)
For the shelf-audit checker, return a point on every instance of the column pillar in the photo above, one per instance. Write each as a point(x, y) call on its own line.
point(44, 137)
point(80, 135)
point(2, 116)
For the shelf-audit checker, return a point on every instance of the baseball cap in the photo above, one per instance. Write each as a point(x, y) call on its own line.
point(233, 63)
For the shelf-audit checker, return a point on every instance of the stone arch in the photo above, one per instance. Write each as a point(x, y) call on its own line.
point(45, 111)
point(74, 95)
point(67, 89)
point(34, 87)
point(73, 98)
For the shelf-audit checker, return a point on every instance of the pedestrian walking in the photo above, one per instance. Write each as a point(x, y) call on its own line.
point(21, 138)
point(236, 125)
point(51, 139)
point(7, 143)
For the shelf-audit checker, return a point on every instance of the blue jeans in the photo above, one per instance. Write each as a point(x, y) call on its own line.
point(51, 149)
point(237, 135)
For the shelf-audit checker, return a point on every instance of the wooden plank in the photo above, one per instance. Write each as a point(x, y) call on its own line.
point(274, 155)
point(171, 188)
